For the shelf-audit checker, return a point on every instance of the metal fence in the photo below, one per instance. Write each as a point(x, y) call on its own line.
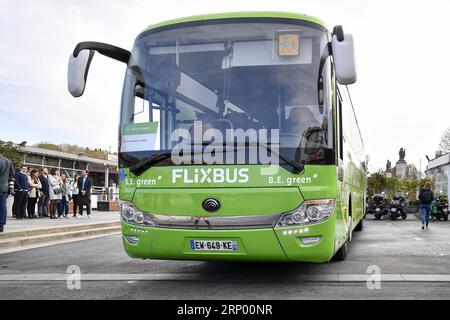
point(106, 194)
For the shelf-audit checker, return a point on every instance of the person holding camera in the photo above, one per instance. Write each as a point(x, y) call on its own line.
point(6, 173)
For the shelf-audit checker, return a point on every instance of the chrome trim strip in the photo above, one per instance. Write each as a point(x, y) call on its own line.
point(216, 223)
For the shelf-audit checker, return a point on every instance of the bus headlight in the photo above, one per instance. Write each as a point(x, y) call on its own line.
point(311, 211)
point(133, 216)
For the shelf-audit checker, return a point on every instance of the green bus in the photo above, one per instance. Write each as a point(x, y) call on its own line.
point(238, 139)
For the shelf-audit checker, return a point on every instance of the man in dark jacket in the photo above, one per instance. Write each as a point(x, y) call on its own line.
point(21, 193)
point(6, 173)
point(45, 194)
point(84, 197)
point(426, 197)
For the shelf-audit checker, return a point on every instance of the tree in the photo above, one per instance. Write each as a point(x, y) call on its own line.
point(412, 172)
point(391, 187)
point(376, 184)
point(8, 150)
point(411, 188)
point(48, 146)
point(74, 149)
point(444, 145)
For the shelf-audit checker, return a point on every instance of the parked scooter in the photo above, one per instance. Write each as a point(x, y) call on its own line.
point(439, 209)
point(397, 208)
point(378, 206)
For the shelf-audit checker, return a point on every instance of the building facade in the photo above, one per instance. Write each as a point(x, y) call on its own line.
point(104, 173)
point(439, 171)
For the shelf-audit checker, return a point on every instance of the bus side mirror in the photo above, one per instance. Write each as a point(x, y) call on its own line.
point(80, 61)
point(78, 72)
point(344, 57)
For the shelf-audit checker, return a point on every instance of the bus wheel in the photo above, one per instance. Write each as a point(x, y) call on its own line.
point(342, 253)
point(360, 226)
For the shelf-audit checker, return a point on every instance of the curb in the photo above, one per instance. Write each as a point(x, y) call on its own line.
point(19, 239)
point(55, 229)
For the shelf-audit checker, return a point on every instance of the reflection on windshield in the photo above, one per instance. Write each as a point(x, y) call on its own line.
point(232, 78)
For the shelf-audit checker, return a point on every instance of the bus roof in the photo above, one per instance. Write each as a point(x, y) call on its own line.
point(234, 15)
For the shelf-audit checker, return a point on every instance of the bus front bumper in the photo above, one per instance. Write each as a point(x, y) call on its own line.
point(314, 243)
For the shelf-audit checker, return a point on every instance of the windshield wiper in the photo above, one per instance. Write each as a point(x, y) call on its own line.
point(140, 167)
point(296, 166)
point(146, 164)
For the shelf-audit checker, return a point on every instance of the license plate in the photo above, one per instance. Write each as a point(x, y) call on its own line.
point(393, 210)
point(445, 210)
point(377, 209)
point(216, 245)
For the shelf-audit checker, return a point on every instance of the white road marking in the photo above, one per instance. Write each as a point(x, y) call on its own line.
point(133, 278)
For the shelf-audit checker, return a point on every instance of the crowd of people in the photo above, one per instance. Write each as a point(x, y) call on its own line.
point(48, 192)
point(51, 192)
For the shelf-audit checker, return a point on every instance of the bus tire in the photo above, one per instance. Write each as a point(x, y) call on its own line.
point(360, 226)
point(342, 253)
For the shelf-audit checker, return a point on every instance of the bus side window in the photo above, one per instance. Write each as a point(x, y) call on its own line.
point(141, 112)
point(341, 129)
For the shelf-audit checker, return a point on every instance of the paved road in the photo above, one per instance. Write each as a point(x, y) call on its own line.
point(396, 247)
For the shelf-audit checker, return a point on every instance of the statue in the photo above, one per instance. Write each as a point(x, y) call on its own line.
point(401, 166)
point(388, 166)
point(402, 154)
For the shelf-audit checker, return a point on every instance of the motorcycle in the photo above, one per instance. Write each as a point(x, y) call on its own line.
point(397, 208)
point(440, 209)
point(378, 207)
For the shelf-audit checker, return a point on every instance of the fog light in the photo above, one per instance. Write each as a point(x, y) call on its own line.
point(132, 239)
point(308, 241)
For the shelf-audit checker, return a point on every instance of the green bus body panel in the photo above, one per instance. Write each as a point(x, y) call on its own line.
point(277, 193)
point(320, 252)
point(236, 15)
point(253, 245)
point(234, 201)
point(316, 181)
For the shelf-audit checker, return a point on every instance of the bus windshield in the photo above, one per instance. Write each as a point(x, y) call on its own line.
point(273, 77)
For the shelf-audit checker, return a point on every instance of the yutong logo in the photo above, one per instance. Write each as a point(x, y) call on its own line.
point(216, 175)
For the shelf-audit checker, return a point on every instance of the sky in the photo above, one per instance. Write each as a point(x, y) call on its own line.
point(401, 49)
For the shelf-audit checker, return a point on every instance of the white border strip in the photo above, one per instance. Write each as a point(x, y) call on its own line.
point(202, 277)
